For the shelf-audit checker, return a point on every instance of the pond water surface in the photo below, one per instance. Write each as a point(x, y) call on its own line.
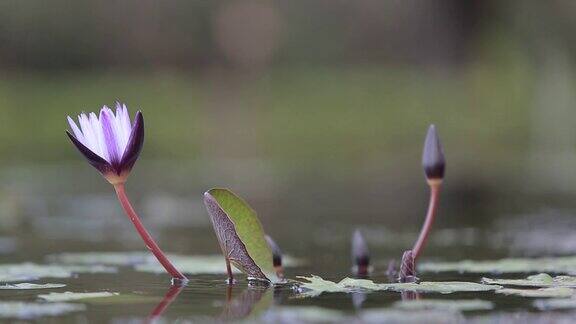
point(312, 224)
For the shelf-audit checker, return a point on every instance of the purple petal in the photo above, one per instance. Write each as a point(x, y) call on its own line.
point(94, 159)
point(135, 143)
point(110, 137)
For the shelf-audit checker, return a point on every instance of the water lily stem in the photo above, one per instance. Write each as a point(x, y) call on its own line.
point(435, 185)
point(230, 280)
point(148, 240)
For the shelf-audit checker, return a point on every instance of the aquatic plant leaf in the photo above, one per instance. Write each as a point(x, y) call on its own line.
point(144, 261)
point(26, 286)
point(240, 234)
point(556, 292)
point(99, 298)
point(74, 296)
point(316, 285)
point(28, 311)
point(443, 304)
point(33, 271)
point(566, 265)
point(213, 264)
point(555, 303)
point(539, 280)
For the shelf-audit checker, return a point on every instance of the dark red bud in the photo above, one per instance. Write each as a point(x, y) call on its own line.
point(433, 159)
point(360, 253)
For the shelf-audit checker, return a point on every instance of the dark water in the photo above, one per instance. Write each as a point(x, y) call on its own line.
point(311, 222)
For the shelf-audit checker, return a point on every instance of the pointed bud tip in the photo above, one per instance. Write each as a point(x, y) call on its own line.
point(360, 252)
point(433, 159)
point(276, 252)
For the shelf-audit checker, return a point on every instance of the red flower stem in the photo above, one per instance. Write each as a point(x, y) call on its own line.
point(148, 240)
point(170, 296)
point(435, 185)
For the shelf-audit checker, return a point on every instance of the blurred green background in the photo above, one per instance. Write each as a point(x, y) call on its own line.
point(321, 95)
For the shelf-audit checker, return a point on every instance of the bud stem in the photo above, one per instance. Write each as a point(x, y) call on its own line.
point(435, 185)
point(148, 240)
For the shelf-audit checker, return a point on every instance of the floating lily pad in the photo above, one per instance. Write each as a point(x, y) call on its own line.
point(539, 280)
point(557, 292)
point(565, 265)
point(28, 311)
point(189, 265)
point(316, 285)
point(26, 285)
point(555, 303)
point(146, 262)
point(32, 271)
point(74, 296)
point(444, 304)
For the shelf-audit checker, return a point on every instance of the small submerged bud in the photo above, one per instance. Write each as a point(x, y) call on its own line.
point(433, 156)
point(407, 268)
point(276, 256)
point(360, 254)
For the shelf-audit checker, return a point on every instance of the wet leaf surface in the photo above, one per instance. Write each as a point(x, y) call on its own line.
point(145, 262)
point(316, 285)
point(74, 296)
point(28, 311)
point(240, 234)
point(33, 271)
point(557, 292)
point(539, 280)
point(565, 265)
point(27, 286)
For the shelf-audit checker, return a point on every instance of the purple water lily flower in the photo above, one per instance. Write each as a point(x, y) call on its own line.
point(110, 142)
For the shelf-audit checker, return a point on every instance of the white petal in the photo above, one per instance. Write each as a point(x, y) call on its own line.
point(89, 135)
point(99, 135)
point(77, 133)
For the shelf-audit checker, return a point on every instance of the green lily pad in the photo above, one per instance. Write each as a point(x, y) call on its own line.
point(32, 271)
point(99, 298)
point(555, 303)
point(443, 304)
point(74, 296)
point(28, 311)
point(104, 258)
point(539, 280)
point(26, 285)
point(145, 262)
point(552, 292)
point(240, 234)
point(316, 285)
point(565, 265)
point(189, 265)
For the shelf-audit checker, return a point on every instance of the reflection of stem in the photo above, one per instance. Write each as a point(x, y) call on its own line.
point(410, 295)
point(170, 296)
point(148, 240)
point(431, 214)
